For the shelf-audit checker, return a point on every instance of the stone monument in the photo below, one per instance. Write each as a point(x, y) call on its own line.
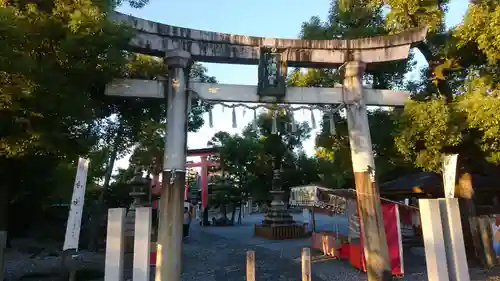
point(278, 223)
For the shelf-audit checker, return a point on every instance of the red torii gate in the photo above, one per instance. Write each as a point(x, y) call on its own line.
point(203, 153)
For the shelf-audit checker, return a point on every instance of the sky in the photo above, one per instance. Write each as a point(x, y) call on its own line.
point(264, 18)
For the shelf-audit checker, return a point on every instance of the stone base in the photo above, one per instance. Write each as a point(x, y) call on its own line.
point(280, 232)
point(280, 217)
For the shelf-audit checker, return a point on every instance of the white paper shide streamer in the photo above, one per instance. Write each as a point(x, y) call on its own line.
point(274, 115)
point(313, 120)
point(234, 118)
point(292, 123)
point(274, 128)
point(254, 121)
point(210, 118)
point(333, 131)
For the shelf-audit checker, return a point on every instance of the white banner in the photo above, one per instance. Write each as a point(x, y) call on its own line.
point(449, 174)
point(72, 236)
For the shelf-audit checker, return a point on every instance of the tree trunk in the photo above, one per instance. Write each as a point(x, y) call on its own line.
point(100, 207)
point(313, 221)
point(206, 222)
point(239, 213)
point(4, 207)
point(470, 227)
point(233, 213)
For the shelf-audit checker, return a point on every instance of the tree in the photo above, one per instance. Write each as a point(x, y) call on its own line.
point(142, 123)
point(268, 144)
point(460, 77)
point(450, 68)
point(358, 20)
point(150, 144)
point(480, 27)
point(55, 59)
point(237, 155)
point(352, 20)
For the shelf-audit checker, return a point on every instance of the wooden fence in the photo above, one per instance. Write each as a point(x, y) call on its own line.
point(280, 232)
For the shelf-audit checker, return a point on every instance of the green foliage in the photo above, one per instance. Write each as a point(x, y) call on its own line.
point(458, 83)
point(224, 192)
point(44, 57)
point(426, 129)
point(150, 142)
point(55, 59)
point(248, 160)
point(480, 107)
point(407, 14)
point(481, 26)
point(353, 19)
point(468, 126)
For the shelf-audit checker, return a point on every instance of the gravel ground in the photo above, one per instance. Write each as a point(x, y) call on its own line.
point(18, 265)
point(211, 254)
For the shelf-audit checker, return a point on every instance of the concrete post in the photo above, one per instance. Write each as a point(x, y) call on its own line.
point(142, 241)
point(113, 267)
point(453, 239)
point(169, 245)
point(435, 248)
point(368, 198)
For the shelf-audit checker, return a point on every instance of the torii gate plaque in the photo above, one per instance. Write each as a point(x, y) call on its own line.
point(180, 46)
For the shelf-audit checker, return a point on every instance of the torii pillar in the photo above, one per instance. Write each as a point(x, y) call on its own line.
point(363, 164)
point(169, 245)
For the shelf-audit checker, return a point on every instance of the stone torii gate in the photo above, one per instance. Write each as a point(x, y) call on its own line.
point(181, 46)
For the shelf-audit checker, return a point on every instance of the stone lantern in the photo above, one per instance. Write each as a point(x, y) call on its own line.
point(278, 214)
point(140, 189)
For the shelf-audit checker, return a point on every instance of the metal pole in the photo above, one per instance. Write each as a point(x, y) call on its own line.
point(368, 197)
point(169, 251)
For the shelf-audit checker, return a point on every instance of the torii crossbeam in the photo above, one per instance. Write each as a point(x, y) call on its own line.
point(180, 46)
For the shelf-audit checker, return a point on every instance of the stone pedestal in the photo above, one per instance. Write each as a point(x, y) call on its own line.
point(278, 214)
point(130, 220)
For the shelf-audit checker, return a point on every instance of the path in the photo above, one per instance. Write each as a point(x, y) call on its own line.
point(218, 254)
point(324, 269)
point(208, 257)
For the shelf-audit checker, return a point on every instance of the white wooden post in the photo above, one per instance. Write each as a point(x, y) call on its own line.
point(113, 267)
point(73, 225)
point(250, 270)
point(306, 264)
point(449, 174)
point(142, 242)
point(453, 239)
point(435, 251)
